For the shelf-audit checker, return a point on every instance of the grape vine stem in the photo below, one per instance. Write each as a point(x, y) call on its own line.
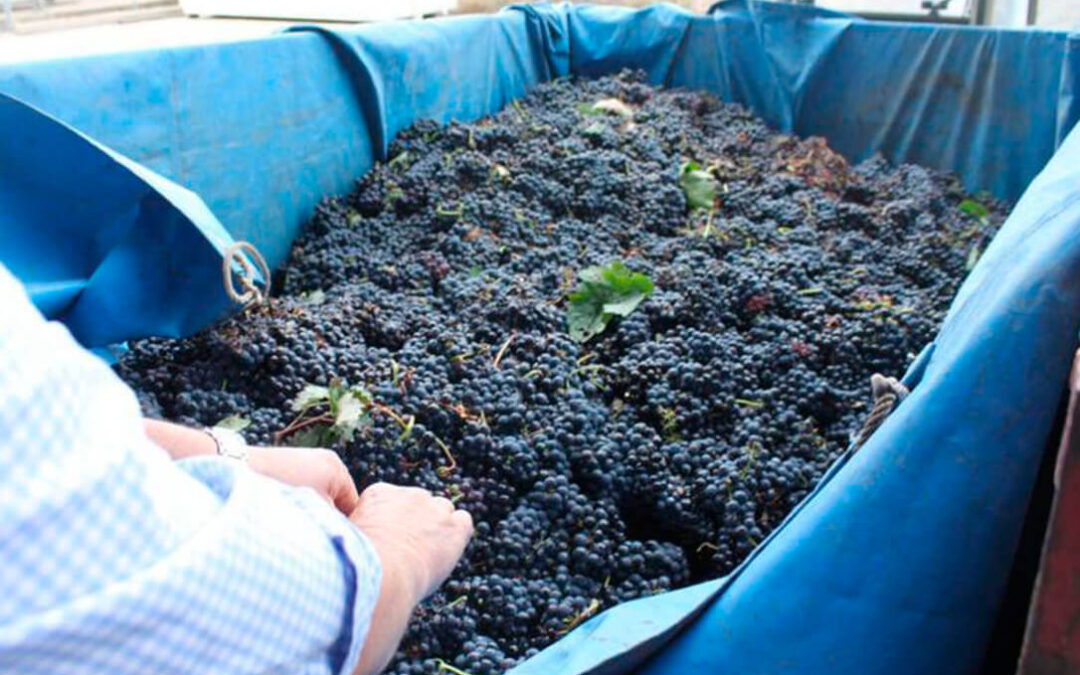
point(443, 665)
point(502, 350)
point(443, 471)
point(298, 424)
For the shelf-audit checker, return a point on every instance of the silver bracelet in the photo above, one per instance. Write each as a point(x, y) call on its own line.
point(229, 443)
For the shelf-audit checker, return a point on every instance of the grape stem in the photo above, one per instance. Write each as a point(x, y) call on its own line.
point(298, 424)
point(445, 471)
point(454, 603)
point(443, 665)
point(581, 617)
point(406, 424)
point(502, 350)
point(708, 224)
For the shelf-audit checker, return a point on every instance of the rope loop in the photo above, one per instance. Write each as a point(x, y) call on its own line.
point(887, 392)
point(239, 252)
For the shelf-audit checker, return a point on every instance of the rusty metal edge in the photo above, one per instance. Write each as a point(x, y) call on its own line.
point(1053, 616)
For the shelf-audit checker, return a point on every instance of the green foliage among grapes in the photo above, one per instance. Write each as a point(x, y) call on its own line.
point(698, 185)
point(976, 210)
point(980, 213)
point(233, 423)
point(607, 106)
point(604, 293)
point(327, 415)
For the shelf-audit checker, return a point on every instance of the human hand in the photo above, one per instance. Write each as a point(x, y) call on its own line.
point(416, 534)
point(419, 538)
point(321, 470)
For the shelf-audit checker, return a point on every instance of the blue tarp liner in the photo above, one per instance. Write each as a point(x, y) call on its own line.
point(91, 234)
point(897, 562)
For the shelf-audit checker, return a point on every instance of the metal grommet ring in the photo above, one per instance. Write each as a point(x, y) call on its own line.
point(239, 252)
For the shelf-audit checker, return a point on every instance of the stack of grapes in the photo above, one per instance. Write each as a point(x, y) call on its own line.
point(627, 328)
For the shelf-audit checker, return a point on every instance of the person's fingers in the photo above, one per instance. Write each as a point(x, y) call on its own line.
point(335, 480)
point(376, 490)
point(463, 519)
point(347, 496)
point(443, 504)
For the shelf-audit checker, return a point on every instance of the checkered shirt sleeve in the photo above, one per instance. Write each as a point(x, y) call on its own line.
point(116, 560)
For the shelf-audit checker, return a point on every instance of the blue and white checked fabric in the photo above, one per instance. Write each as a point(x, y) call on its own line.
point(115, 559)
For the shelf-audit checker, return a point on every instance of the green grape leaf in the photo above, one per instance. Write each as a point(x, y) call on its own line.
point(624, 306)
point(974, 209)
point(315, 436)
point(311, 395)
point(362, 395)
point(605, 292)
point(585, 318)
point(401, 161)
point(698, 185)
point(233, 423)
point(594, 129)
point(351, 414)
point(588, 110)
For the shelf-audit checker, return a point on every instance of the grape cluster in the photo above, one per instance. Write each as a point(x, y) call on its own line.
point(659, 453)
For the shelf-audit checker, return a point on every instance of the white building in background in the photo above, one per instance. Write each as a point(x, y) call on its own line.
point(1058, 14)
point(1062, 14)
point(320, 10)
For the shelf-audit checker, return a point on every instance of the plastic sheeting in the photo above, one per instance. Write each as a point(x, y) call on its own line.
point(991, 105)
point(84, 223)
point(897, 562)
point(263, 129)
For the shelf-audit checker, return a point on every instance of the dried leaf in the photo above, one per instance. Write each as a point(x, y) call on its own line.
point(614, 106)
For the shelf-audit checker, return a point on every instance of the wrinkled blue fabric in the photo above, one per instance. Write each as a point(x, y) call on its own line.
point(92, 235)
point(261, 130)
point(308, 112)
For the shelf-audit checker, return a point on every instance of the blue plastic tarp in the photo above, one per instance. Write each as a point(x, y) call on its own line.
point(897, 562)
point(298, 123)
point(263, 129)
point(91, 234)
